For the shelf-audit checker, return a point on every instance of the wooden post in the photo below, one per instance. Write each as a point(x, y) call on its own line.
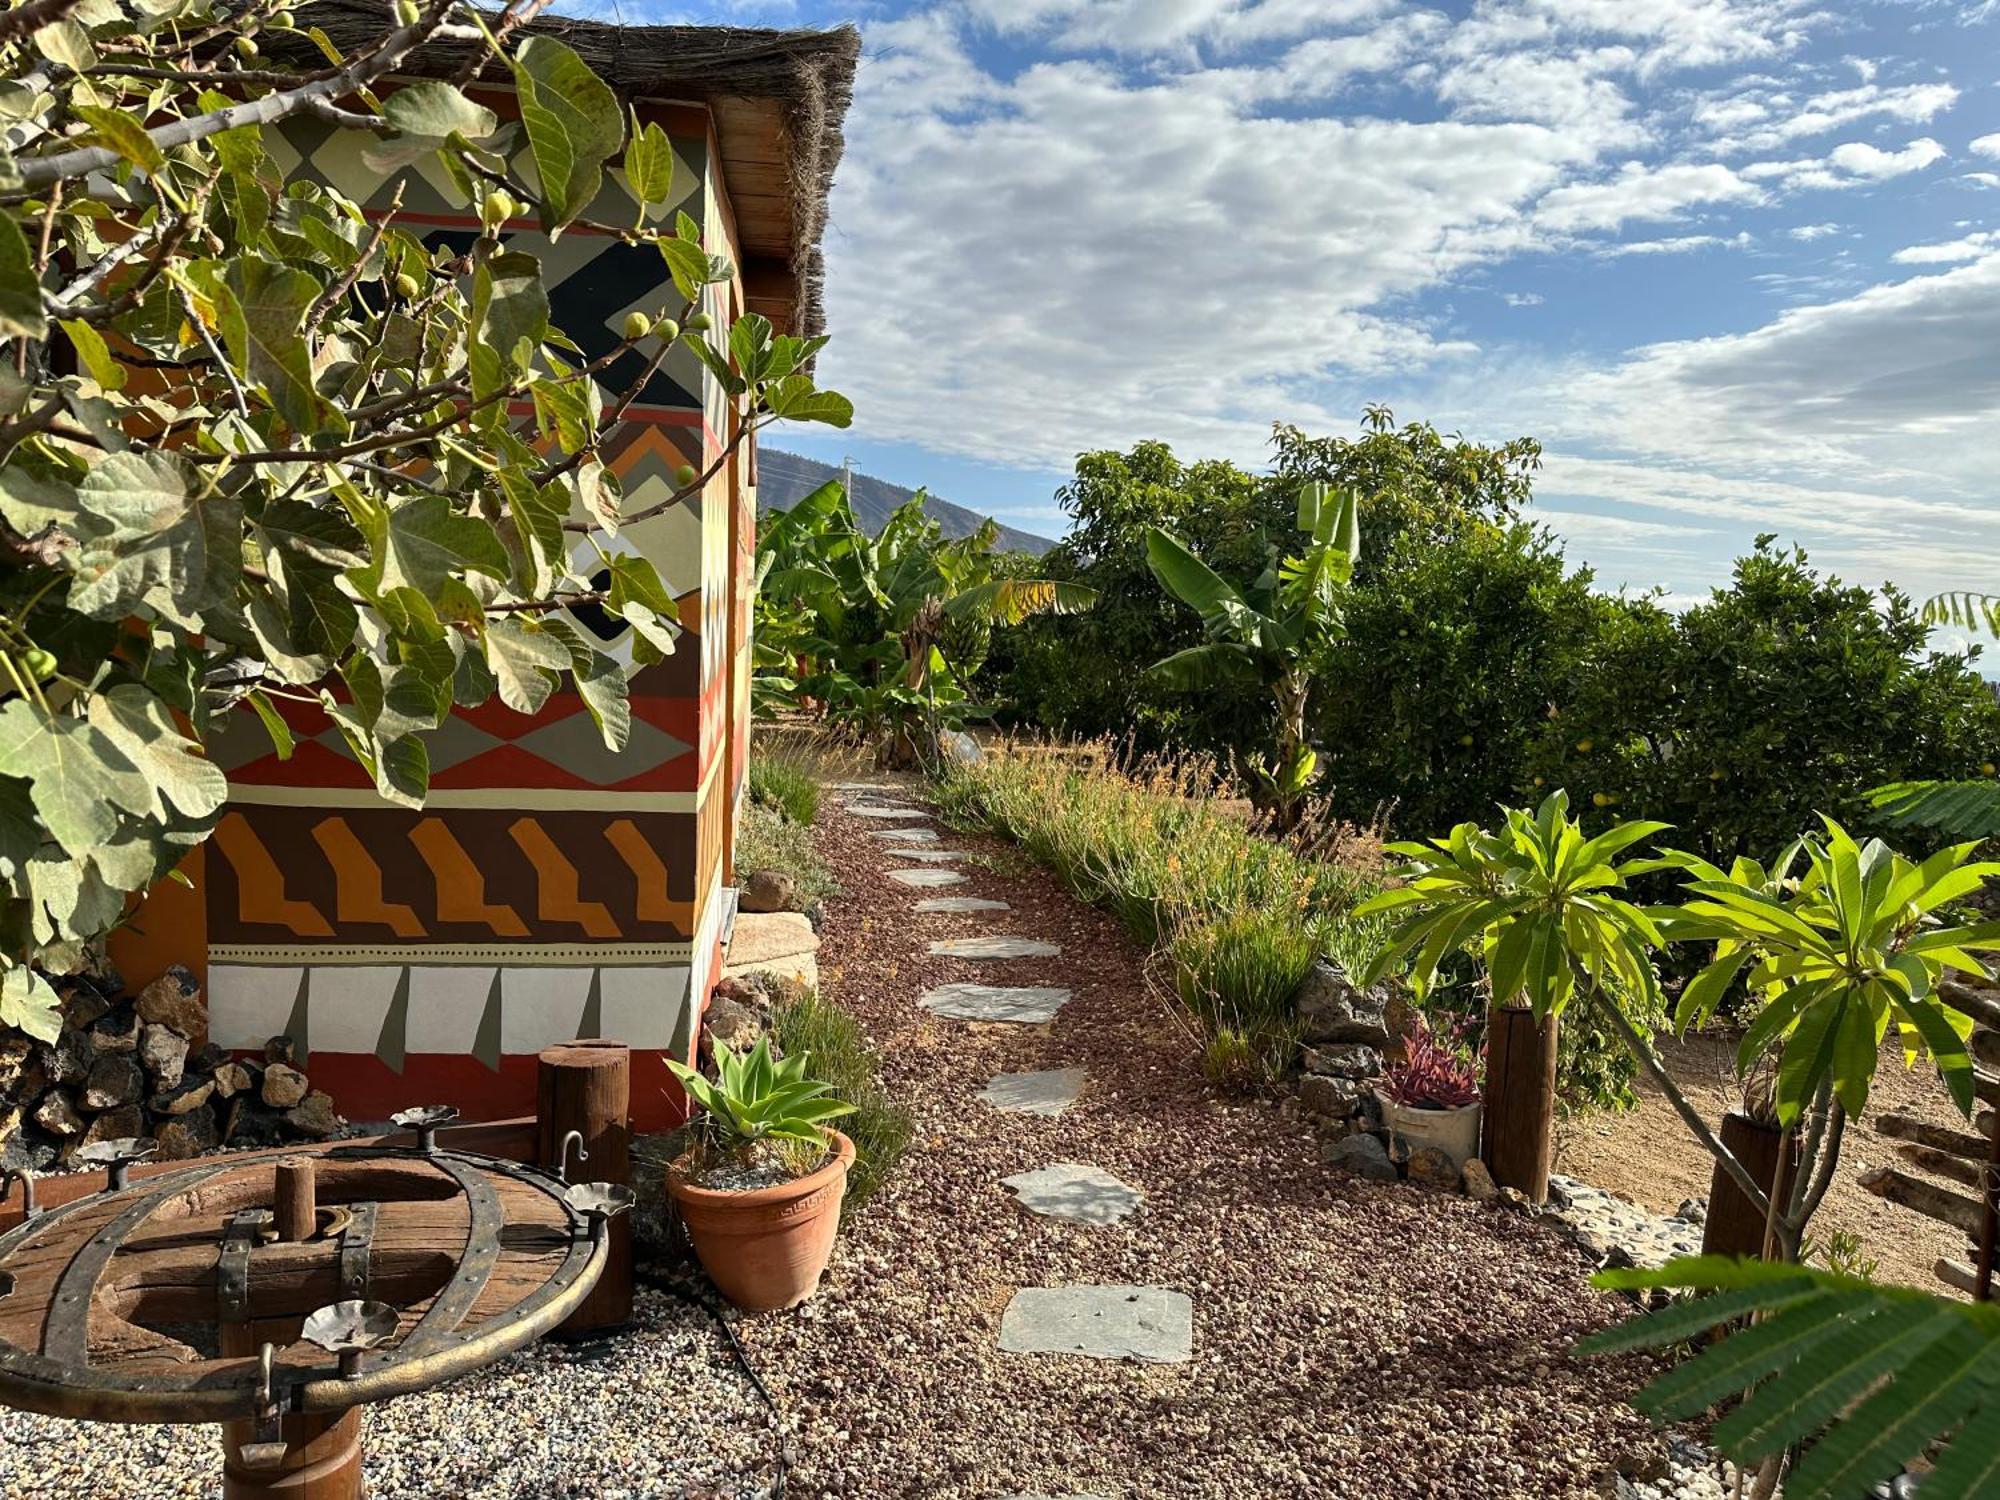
point(322, 1459)
point(1518, 1127)
point(1736, 1225)
point(295, 1203)
point(586, 1086)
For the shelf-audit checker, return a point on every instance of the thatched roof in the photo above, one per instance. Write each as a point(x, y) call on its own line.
point(777, 97)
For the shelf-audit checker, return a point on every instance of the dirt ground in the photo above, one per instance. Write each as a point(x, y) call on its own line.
point(1648, 1156)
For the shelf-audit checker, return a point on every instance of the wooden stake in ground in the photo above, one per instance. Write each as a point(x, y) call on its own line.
point(586, 1086)
point(1735, 1225)
point(1518, 1144)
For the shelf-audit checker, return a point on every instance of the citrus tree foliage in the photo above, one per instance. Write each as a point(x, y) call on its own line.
point(1783, 695)
point(256, 445)
point(1864, 1378)
point(885, 632)
point(1273, 630)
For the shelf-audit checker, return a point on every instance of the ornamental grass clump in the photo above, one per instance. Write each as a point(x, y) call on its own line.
point(1237, 917)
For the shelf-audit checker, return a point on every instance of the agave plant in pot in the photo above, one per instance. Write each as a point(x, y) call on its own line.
point(760, 1187)
point(1431, 1096)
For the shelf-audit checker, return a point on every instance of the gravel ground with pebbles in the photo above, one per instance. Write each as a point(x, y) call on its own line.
point(1351, 1340)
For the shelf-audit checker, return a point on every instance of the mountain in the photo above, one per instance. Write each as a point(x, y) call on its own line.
point(784, 479)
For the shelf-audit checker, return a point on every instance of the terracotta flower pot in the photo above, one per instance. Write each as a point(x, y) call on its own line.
point(765, 1249)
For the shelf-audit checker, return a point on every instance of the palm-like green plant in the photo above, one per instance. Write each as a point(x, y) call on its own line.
point(1545, 906)
point(1839, 941)
point(757, 1098)
point(1870, 1376)
point(1274, 632)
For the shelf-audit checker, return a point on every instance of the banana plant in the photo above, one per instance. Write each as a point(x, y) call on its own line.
point(886, 631)
point(756, 1097)
point(1965, 809)
point(1273, 632)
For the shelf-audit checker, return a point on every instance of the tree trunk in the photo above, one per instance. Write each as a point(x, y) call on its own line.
point(1518, 1144)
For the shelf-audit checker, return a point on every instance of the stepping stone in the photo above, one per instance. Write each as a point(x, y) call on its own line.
point(1146, 1323)
point(997, 946)
point(928, 879)
point(1076, 1191)
point(883, 810)
point(854, 788)
point(961, 904)
point(1048, 1093)
point(1077, 1495)
point(905, 835)
point(928, 856)
point(1028, 1004)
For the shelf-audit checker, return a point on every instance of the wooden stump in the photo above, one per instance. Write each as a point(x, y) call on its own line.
point(322, 1459)
point(1518, 1144)
point(586, 1086)
point(1736, 1225)
point(295, 1202)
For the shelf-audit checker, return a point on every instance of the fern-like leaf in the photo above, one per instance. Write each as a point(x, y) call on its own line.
point(1962, 809)
point(1967, 610)
point(1868, 1376)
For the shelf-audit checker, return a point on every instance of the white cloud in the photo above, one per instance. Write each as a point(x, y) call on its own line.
point(1644, 193)
point(1970, 247)
point(1676, 245)
point(1811, 232)
point(1864, 160)
point(1985, 145)
point(1766, 116)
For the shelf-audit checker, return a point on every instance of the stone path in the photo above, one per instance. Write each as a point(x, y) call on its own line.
point(1029, 1005)
point(885, 810)
point(1049, 1092)
point(1075, 1190)
point(997, 946)
point(927, 878)
point(960, 904)
point(1146, 1323)
point(906, 835)
point(928, 856)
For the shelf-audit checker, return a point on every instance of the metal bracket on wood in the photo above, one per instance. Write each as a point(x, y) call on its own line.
point(356, 1241)
point(243, 1233)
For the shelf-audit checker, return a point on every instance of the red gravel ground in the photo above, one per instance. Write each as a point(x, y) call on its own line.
point(1351, 1339)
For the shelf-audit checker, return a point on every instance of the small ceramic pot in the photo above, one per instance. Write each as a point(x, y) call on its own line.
point(1453, 1131)
point(766, 1248)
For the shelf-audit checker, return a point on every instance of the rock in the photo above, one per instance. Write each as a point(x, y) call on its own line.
point(1513, 1197)
point(189, 1135)
point(1363, 1155)
point(17, 1148)
point(1329, 1098)
point(958, 746)
point(1344, 1060)
point(1479, 1184)
point(314, 1116)
point(16, 1053)
point(1045, 1093)
point(115, 1080)
point(995, 945)
point(175, 1000)
point(281, 1049)
point(284, 1086)
point(1694, 1210)
point(1433, 1168)
point(115, 1125)
point(927, 879)
point(68, 1058)
point(205, 1059)
point(1028, 1004)
point(730, 1025)
point(163, 1051)
point(1145, 1323)
point(234, 1078)
point(84, 1002)
point(191, 1095)
point(117, 1032)
point(768, 890)
point(1331, 1008)
point(1075, 1190)
point(57, 1115)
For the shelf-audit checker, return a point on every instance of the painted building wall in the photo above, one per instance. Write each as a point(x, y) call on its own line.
point(550, 889)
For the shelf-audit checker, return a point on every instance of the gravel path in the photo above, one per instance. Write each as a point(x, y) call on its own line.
point(1351, 1340)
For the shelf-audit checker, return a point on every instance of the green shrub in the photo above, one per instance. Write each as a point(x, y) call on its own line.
point(768, 840)
point(782, 782)
point(840, 1054)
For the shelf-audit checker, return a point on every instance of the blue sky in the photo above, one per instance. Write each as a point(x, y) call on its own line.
point(1735, 262)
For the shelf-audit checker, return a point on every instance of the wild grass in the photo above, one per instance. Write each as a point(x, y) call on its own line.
point(782, 780)
point(768, 840)
point(840, 1055)
point(1236, 917)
